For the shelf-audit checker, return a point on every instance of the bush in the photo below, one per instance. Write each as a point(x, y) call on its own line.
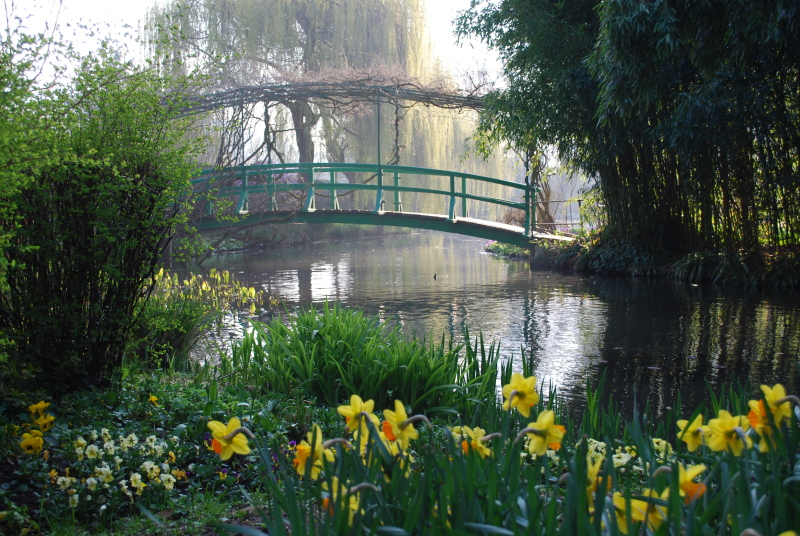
point(95, 219)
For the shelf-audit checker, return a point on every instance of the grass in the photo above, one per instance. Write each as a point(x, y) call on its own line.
point(329, 353)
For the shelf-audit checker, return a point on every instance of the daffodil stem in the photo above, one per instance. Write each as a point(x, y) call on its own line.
point(788, 398)
point(750, 532)
point(662, 469)
point(740, 432)
point(363, 485)
point(489, 437)
point(336, 441)
point(525, 431)
point(241, 430)
point(416, 418)
point(510, 398)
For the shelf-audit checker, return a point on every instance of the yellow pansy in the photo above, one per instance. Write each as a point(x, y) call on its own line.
point(153, 400)
point(520, 394)
point(31, 444)
point(39, 407)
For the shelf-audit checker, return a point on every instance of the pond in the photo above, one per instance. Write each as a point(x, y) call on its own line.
point(651, 338)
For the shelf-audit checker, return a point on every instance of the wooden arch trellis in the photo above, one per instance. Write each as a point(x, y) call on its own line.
point(343, 91)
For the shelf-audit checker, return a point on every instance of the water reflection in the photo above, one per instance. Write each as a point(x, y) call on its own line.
point(651, 338)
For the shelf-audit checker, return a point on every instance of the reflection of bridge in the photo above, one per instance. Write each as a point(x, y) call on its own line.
point(253, 195)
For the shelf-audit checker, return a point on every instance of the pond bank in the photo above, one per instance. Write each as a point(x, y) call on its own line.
point(604, 256)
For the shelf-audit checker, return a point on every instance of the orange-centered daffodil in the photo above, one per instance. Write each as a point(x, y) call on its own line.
point(227, 447)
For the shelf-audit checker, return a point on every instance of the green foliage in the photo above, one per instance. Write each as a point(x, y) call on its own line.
point(95, 215)
point(332, 353)
point(687, 114)
point(433, 487)
point(179, 313)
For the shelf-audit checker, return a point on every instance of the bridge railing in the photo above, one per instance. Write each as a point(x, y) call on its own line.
point(390, 182)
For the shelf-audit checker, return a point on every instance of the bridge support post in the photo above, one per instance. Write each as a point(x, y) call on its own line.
point(451, 213)
point(273, 205)
point(310, 199)
point(379, 201)
point(334, 199)
point(398, 204)
point(464, 213)
point(243, 208)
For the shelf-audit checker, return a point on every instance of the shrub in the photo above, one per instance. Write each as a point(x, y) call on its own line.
point(95, 219)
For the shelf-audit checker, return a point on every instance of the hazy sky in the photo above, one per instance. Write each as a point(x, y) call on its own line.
point(112, 15)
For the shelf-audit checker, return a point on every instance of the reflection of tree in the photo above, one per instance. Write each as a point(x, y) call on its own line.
point(693, 339)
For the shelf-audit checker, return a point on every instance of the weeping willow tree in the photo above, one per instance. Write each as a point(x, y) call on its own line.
point(293, 42)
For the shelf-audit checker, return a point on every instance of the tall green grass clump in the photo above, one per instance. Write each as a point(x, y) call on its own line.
point(331, 353)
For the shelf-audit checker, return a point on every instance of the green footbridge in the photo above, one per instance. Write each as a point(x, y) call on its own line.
point(251, 195)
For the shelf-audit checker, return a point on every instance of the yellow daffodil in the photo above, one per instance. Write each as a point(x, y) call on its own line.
point(474, 441)
point(224, 446)
point(31, 444)
point(355, 412)
point(634, 508)
point(760, 422)
point(655, 514)
point(546, 433)
point(153, 400)
point(396, 429)
point(53, 476)
point(690, 489)
point(520, 394)
point(338, 494)
point(691, 433)
point(313, 450)
point(594, 480)
point(724, 435)
point(779, 411)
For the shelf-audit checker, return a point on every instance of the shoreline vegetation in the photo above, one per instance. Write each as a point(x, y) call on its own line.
point(250, 446)
point(597, 254)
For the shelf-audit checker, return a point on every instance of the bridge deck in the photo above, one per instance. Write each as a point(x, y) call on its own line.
point(439, 222)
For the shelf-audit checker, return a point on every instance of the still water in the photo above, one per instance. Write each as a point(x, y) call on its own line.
point(652, 338)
